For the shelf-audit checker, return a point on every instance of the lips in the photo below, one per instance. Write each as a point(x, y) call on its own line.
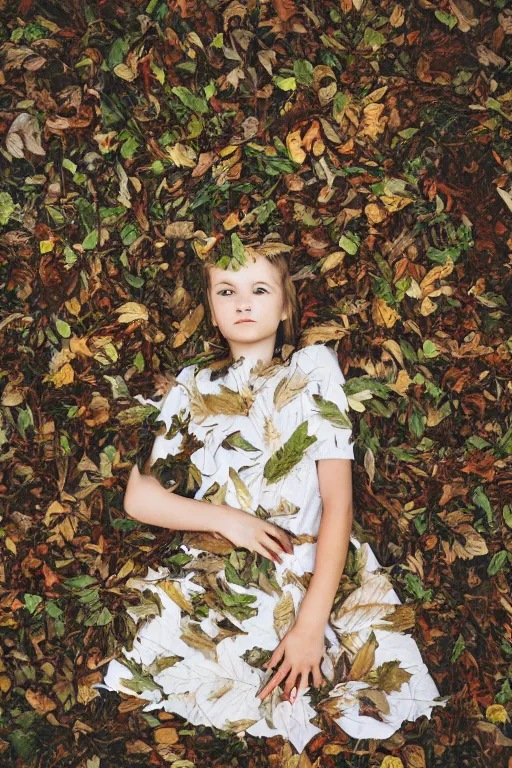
point(244, 321)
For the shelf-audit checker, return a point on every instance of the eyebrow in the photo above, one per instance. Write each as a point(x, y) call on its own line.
point(258, 282)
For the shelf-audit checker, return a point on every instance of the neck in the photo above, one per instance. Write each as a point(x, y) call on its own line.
point(262, 350)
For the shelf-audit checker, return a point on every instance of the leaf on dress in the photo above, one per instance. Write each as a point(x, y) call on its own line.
point(330, 411)
point(288, 388)
point(207, 542)
point(141, 680)
point(243, 494)
point(175, 593)
point(216, 494)
point(271, 435)
point(286, 457)
point(228, 403)
point(193, 635)
point(390, 676)
point(235, 440)
point(285, 508)
point(403, 617)
point(376, 697)
point(235, 726)
point(364, 659)
point(229, 676)
point(364, 606)
point(284, 615)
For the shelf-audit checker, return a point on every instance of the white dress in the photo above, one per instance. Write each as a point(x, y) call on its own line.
point(261, 429)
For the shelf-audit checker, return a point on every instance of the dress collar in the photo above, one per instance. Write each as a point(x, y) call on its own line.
point(245, 363)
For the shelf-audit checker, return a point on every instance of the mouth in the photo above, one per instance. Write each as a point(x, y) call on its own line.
point(244, 321)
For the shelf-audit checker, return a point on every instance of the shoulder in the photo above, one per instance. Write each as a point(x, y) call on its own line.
point(186, 373)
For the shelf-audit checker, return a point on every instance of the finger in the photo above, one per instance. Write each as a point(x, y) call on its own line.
point(317, 677)
point(283, 538)
point(292, 682)
point(304, 684)
point(265, 552)
point(276, 656)
point(282, 672)
point(273, 546)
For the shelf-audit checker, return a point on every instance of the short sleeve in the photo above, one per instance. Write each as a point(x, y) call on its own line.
point(328, 419)
point(175, 402)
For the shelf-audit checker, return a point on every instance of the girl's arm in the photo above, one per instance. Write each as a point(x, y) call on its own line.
point(303, 644)
point(335, 481)
point(147, 501)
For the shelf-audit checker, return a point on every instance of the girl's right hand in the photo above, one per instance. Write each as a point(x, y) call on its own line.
point(253, 533)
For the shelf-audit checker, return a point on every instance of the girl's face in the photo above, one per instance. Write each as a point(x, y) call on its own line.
point(254, 292)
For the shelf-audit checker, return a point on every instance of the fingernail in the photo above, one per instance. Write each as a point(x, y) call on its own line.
point(293, 694)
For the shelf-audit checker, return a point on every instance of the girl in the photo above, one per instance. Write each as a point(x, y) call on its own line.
point(262, 620)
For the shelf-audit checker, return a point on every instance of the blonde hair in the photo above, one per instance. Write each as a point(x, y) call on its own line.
point(288, 331)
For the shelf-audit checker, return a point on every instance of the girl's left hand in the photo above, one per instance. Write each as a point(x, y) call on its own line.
point(303, 649)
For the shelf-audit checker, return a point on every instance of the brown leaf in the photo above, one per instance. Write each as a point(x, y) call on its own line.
point(364, 660)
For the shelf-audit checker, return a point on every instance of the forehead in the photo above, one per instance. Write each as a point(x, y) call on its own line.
point(259, 269)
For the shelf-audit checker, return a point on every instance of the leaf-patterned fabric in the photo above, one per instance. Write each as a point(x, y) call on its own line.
point(209, 630)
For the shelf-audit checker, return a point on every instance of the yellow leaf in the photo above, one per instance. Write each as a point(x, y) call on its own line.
point(188, 326)
point(126, 569)
point(391, 762)
point(73, 306)
point(284, 614)
point(383, 314)
point(46, 245)
point(288, 388)
point(124, 72)
point(294, 147)
point(65, 375)
point(414, 756)
point(5, 683)
point(242, 492)
point(175, 593)
point(38, 701)
point(131, 311)
point(332, 260)
point(182, 155)
point(496, 713)
point(166, 736)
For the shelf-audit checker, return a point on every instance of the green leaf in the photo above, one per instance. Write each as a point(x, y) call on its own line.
point(104, 618)
point(235, 440)
point(7, 208)
point(458, 648)
point(497, 562)
point(63, 328)
point(237, 249)
point(303, 71)
point(79, 582)
point(330, 411)
point(286, 457)
point(69, 165)
point(373, 38)
point(348, 245)
point(91, 240)
point(483, 502)
point(285, 83)
point(430, 350)
point(446, 18)
point(190, 100)
point(32, 601)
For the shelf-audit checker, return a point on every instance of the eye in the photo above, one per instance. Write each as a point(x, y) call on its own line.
point(223, 290)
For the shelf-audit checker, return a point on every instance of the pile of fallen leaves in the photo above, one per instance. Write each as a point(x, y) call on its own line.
point(375, 139)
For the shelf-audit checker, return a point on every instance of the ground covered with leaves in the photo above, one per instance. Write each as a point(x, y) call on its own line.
point(375, 139)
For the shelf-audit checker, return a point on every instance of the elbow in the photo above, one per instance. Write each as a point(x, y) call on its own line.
point(130, 500)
